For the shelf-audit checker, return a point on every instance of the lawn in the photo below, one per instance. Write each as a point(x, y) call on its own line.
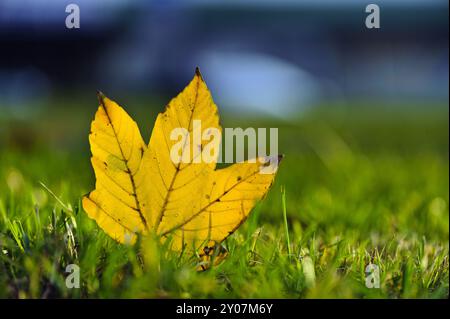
point(363, 185)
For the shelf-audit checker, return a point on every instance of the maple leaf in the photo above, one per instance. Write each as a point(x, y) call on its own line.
point(142, 189)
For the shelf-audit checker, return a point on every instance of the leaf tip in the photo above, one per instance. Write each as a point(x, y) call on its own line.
point(274, 159)
point(100, 96)
point(198, 73)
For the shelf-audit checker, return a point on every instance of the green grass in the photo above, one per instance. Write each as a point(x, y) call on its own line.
point(360, 187)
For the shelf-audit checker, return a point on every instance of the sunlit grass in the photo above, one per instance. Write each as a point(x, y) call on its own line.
point(358, 189)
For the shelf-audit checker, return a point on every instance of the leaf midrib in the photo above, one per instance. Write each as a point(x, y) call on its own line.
point(128, 171)
point(177, 168)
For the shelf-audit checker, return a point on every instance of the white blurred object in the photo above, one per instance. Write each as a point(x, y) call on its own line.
point(256, 83)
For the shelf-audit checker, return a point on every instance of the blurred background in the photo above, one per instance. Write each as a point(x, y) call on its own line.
point(274, 57)
point(362, 116)
point(334, 88)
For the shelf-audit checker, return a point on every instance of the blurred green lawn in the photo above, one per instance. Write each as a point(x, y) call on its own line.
point(364, 184)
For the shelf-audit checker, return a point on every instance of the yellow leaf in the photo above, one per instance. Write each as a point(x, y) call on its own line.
point(175, 195)
point(227, 198)
point(118, 201)
point(175, 187)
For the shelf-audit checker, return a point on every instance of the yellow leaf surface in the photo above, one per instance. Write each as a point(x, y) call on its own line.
point(142, 189)
point(117, 202)
point(227, 198)
point(175, 186)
